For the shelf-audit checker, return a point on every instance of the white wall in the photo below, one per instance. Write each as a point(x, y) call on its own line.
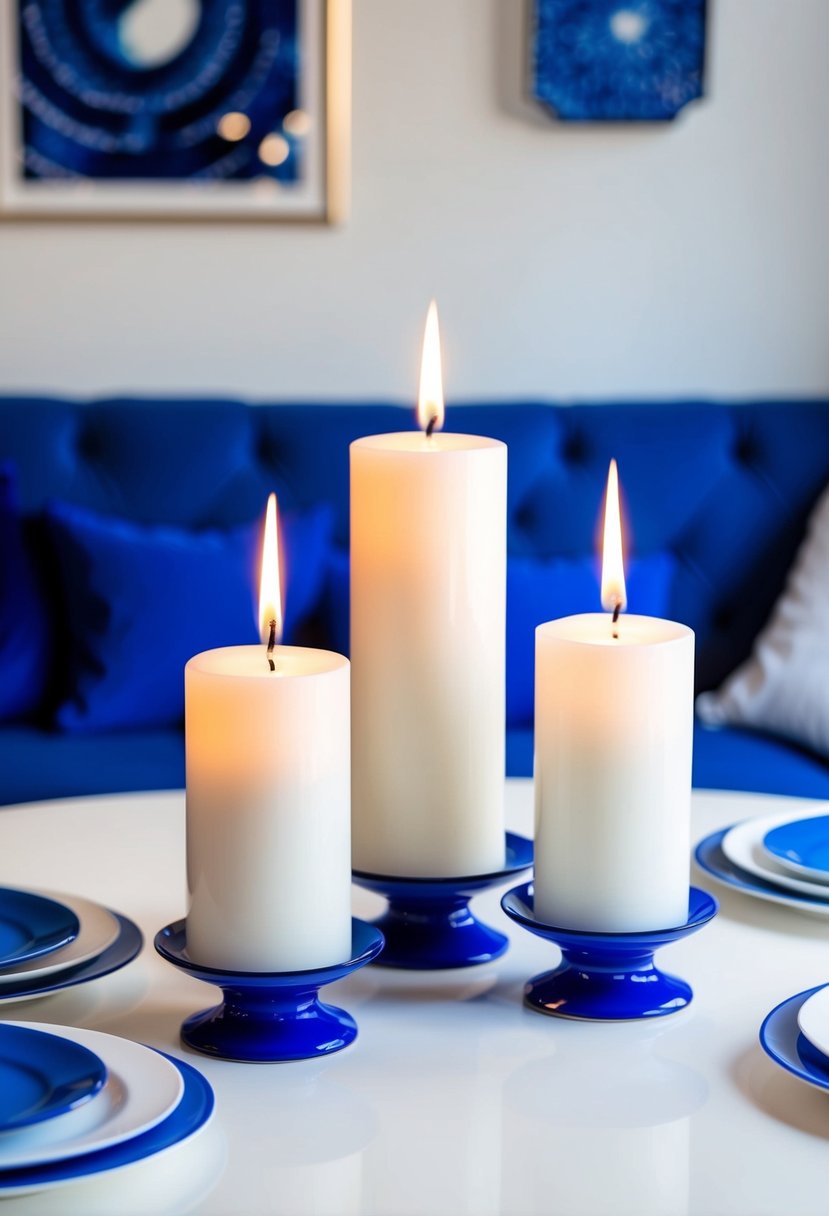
point(687, 259)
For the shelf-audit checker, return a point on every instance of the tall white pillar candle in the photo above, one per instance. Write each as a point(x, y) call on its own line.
point(613, 743)
point(268, 808)
point(428, 593)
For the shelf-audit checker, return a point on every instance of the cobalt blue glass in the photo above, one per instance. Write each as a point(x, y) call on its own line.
point(265, 1017)
point(607, 976)
point(428, 925)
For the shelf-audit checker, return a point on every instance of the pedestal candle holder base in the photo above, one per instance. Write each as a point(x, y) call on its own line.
point(607, 976)
point(428, 925)
point(266, 1017)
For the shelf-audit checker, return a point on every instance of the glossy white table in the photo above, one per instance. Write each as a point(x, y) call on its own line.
point(455, 1099)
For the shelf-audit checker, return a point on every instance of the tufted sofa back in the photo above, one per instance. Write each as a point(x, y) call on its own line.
point(726, 489)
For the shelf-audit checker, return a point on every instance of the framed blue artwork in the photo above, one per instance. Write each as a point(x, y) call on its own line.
point(617, 61)
point(146, 109)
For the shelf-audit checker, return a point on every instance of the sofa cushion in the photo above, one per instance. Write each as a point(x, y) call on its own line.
point(142, 599)
point(25, 632)
point(38, 764)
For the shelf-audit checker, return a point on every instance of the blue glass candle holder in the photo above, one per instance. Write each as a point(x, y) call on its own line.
point(428, 925)
point(269, 1016)
point(607, 976)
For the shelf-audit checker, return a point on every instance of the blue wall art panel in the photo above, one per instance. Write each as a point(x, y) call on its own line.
point(611, 61)
point(173, 104)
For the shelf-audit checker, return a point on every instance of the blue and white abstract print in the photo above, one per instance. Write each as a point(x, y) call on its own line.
point(160, 90)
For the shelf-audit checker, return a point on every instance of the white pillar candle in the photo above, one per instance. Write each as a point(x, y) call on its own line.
point(428, 594)
point(613, 742)
point(268, 807)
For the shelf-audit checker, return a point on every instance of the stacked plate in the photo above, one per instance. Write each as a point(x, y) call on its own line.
point(75, 1103)
point(796, 1036)
point(50, 941)
point(781, 858)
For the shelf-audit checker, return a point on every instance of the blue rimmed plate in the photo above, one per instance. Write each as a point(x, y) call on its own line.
point(42, 1075)
point(710, 858)
point(193, 1112)
point(783, 1042)
point(32, 925)
point(143, 1087)
point(123, 950)
point(802, 846)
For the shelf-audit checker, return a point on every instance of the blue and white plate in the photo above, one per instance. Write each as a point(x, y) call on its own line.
point(813, 1019)
point(123, 950)
point(42, 1075)
point(783, 1042)
point(98, 930)
point(710, 858)
point(802, 846)
point(32, 925)
point(193, 1112)
point(142, 1088)
point(743, 846)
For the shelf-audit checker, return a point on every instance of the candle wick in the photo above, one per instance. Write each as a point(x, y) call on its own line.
point(271, 644)
point(616, 612)
point(430, 427)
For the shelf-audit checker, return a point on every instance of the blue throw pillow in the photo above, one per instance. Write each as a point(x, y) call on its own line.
point(537, 591)
point(142, 599)
point(25, 635)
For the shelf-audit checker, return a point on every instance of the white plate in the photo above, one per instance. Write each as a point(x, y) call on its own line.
point(98, 930)
point(813, 1019)
point(743, 846)
point(142, 1088)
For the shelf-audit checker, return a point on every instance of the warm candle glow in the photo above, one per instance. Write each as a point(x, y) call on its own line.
point(270, 591)
point(430, 397)
point(614, 594)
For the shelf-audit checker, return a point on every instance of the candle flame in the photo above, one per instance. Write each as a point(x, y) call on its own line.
point(614, 594)
point(270, 591)
point(430, 397)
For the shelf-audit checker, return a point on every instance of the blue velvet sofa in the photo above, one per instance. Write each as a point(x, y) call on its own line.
point(723, 490)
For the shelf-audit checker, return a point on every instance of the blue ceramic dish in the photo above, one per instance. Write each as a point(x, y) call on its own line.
point(607, 976)
point(267, 1017)
point(42, 1075)
point(122, 951)
point(802, 846)
point(32, 925)
point(782, 1041)
point(709, 857)
point(192, 1113)
point(428, 925)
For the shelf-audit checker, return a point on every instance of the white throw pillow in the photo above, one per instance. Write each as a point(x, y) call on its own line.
point(783, 687)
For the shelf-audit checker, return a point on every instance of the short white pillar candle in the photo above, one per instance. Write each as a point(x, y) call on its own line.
point(613, 744)
point(268, 807)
